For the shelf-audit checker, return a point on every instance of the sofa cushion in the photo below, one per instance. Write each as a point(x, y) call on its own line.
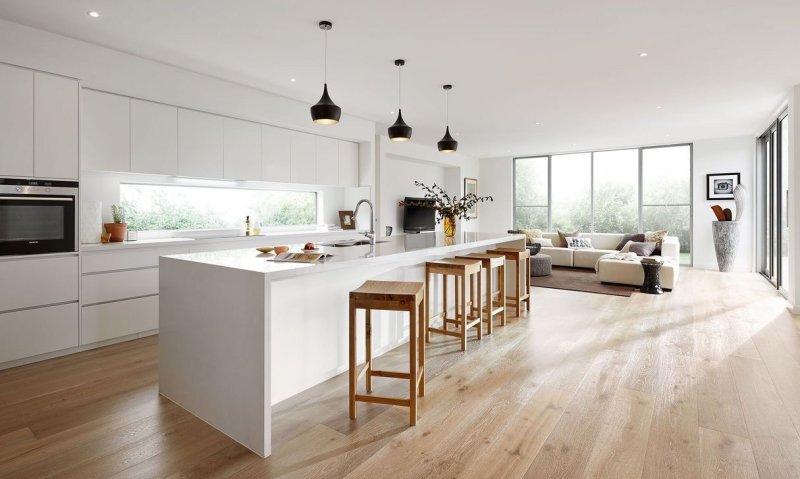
point(642, 249)
point(631, 272)
point(638, 237)
point(587, 258)
point(544, 242)
point(562, 238)
point(531, 235)
point(579, 242)
point(656, 237)
point(560, 256)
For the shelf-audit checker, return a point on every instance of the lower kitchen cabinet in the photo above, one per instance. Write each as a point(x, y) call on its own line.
point(119, 318)
point(37, 331)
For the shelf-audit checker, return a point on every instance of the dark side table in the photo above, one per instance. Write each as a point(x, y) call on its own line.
point(652, 280)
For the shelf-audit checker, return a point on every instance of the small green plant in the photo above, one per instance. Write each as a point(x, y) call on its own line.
point(118, 214)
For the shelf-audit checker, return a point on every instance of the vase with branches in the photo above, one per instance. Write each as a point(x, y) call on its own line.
point(449, 208)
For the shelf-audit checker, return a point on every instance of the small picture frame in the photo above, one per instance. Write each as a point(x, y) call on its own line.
point(346, 220)
point(471, 186)
point(720, 186)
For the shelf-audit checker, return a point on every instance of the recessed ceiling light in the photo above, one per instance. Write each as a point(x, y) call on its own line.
point(93, 13)
point(537, 123)
point(458, 134)
point(643, 54)
point(659, 107)
point(391, 112)
point(293, 80)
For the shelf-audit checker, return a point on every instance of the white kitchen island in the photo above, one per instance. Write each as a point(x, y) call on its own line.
point(239, 333)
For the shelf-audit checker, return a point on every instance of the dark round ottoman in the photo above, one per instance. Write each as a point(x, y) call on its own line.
point(541, 265)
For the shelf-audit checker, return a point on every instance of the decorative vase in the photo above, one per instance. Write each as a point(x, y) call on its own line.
point(116, 231)
point(740, 197)
point(449, 226)
point(726, 242)
point(91, 222)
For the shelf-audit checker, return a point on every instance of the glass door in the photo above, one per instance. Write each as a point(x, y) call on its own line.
point(773, 225)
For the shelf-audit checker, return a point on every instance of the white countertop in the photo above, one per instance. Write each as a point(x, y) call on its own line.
point(155, 242)
point(396, 248)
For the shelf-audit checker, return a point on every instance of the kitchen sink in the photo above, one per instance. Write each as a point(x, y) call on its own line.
point(345, 243)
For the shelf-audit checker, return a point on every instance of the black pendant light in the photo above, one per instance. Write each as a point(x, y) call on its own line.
point(447, 144)
point(399, 131)
point(326, 112)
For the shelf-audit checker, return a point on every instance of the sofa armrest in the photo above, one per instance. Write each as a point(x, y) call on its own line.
point(671, 248)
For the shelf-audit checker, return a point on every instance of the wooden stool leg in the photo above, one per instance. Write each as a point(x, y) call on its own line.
point(518, 288)
point(412, 342)
point(427, 314)
point(455, 297)
point(444, 301)
point(501, 278)
point(463, 315)
point(369, 349)
point(528, 282)
point(353, 372)
point(422, 307)
point(472, 295)
point(490, 298)
point(480, 305)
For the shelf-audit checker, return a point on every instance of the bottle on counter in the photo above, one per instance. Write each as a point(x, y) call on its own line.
point(247, 226)
point(256, 228)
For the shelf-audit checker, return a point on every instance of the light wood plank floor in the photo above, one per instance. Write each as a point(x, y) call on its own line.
point(702, 382)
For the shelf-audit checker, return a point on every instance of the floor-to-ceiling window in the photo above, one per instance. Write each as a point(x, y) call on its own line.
point(613, 191)
point(773, 207)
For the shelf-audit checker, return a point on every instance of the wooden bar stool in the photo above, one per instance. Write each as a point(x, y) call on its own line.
point(490, 263)
point(521, 258)
point(462, 270)
point(389, 296)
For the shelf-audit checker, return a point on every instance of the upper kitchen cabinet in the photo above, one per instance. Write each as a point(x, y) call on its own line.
point(242, 150)
point(154, 138)
point(327, 161)
point(105, 131)
point(304, 158)
point(55, 126)
point(200, 144)
point(348, 163)
point(276, 154)
point(16, 121)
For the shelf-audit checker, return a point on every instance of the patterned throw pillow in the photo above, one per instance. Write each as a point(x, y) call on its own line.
point(579, 243)
point(531, 235)
point(642, 249)
point(562, 238)
point(656, 237)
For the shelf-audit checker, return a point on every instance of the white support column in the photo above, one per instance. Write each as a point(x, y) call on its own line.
point(794, 199)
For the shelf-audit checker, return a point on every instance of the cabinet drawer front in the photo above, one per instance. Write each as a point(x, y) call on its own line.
point(38, 331)
point(98, 288)
point(120, 318)
point(29, 283)
point(116, 260)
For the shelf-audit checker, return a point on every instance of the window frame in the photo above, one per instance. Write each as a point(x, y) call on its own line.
point(640, 176)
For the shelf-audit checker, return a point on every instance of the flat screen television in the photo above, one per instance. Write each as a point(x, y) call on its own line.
point(419, 218)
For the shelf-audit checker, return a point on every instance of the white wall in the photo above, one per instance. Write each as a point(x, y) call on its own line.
point(794, 201)
point(723, 155)
point(398, 164)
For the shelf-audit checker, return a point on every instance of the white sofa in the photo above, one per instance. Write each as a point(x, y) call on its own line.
point(613, 270)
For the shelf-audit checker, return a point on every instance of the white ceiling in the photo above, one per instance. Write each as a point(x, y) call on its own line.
point(717, 67)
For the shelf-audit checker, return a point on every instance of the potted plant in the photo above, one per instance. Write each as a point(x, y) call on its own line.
point(449, 208)
point(119, 227)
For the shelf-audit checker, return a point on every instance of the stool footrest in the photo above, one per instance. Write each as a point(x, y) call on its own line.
point(383, 400)
point(391, 374)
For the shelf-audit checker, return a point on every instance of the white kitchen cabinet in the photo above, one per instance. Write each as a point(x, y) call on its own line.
point(154, 138)
point(242, 150)
point(126, 259)
point(105, 131)
point(348, 163)
point(38, 281)
point(276, 154)
point(200, 144)
point(327, 161)
point(120, 318)
point(304, 158)
point(37, 331)
point(16, 121)
point(116, 285)
point(55, 126)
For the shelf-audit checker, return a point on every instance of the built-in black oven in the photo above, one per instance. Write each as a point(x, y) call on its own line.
point(37, 216)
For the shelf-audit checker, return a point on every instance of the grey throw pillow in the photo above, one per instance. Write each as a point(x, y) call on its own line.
point(637, 238)
point(642, 249)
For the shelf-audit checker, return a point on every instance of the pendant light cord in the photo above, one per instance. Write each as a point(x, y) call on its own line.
point(325, 71)
point(447, 107)
point(399, 87)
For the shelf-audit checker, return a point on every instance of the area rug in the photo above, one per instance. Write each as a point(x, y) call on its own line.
point(579, 279)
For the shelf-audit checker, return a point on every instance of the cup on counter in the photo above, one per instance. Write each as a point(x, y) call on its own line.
point(389, 231)
point(281, 249)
